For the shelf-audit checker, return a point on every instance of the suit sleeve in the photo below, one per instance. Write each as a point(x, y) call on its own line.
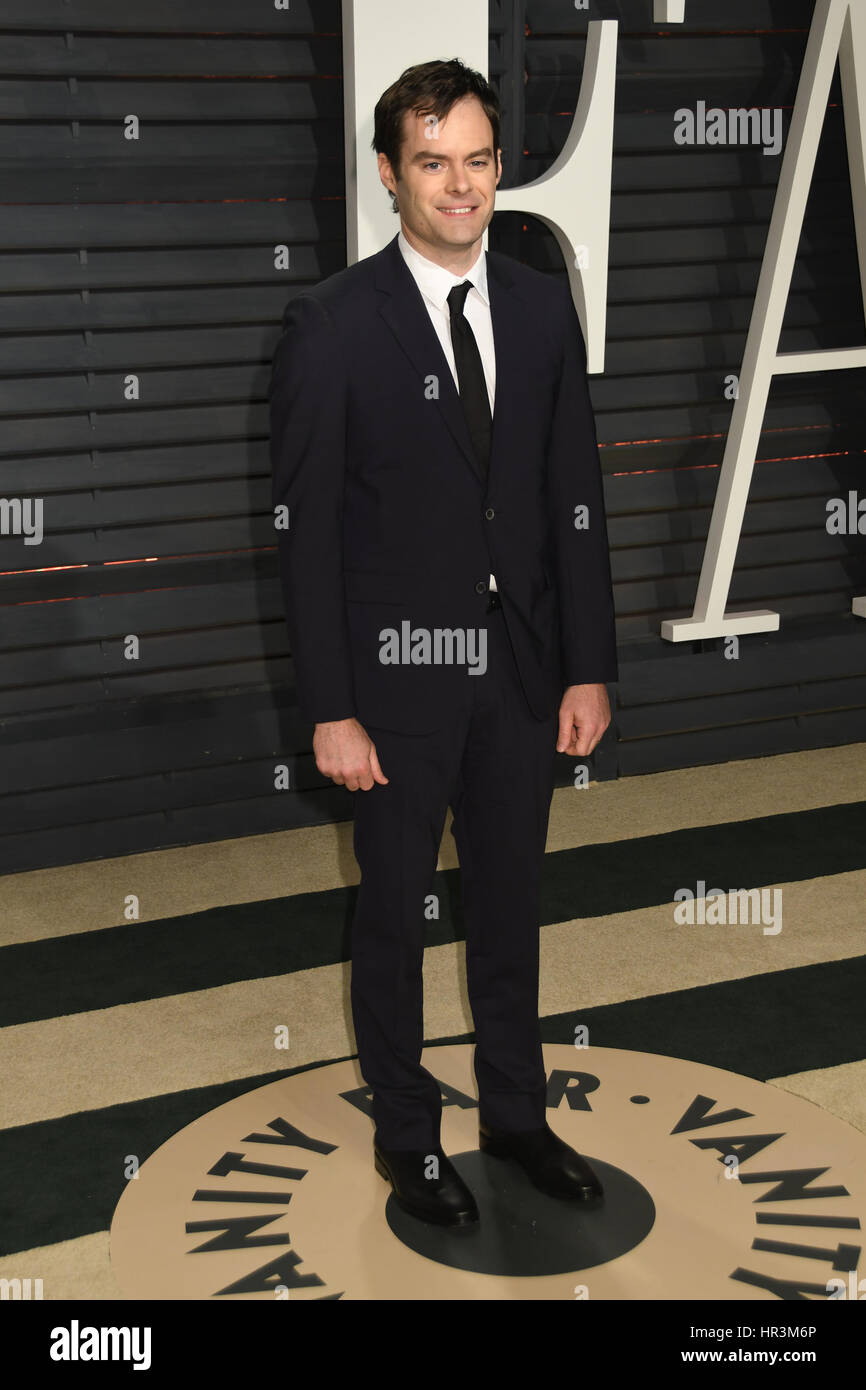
point(582, 559)
point(307, 396)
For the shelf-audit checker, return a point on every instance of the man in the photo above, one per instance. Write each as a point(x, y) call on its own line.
point(448, 598)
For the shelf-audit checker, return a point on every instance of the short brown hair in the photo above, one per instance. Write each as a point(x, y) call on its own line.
point(429, 89)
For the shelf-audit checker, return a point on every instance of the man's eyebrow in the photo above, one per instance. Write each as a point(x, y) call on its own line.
point(424, 155)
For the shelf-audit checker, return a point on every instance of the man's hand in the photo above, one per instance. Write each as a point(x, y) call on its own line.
point(584, 714)
point(344, 753)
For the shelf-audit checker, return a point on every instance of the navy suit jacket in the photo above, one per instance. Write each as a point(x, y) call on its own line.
point(390, 518)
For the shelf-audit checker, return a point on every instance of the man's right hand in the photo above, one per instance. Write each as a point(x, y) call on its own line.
point(345, 753)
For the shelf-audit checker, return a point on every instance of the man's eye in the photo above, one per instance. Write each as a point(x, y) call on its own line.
point(431, 162)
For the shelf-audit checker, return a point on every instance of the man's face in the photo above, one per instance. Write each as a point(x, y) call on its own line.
point(446, 167)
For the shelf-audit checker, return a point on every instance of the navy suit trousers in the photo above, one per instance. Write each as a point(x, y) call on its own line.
point(493, 764)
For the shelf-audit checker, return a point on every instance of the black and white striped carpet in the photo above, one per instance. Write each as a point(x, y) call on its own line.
point(140, 993)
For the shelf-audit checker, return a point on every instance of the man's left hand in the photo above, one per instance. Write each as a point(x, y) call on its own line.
point(584, 714)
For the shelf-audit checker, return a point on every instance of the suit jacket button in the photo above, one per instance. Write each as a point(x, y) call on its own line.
point(490, 513)
point(481, 587)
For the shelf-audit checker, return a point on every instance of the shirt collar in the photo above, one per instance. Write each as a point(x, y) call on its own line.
point(435, 282)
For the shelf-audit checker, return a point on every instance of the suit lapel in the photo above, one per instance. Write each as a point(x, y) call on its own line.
point(404, 310)
point(509, 341)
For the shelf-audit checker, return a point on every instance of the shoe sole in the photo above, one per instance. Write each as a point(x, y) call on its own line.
point(462, 1219)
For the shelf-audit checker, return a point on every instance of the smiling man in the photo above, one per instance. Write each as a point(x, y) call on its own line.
point(434, 449)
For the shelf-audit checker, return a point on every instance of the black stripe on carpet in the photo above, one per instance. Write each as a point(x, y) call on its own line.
point(62, 1178)
point(245, 941)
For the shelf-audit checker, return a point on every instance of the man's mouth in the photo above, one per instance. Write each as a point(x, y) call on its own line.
point(458, 212)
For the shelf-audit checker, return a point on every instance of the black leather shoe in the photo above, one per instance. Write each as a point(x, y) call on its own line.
point(547, 1160)
point(445, 1200)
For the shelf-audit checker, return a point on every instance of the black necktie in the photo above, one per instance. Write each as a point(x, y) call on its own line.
point(470, 376)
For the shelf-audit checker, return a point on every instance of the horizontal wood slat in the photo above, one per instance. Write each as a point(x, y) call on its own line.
point(156, 257)
point(94, 53)
point(166, 16)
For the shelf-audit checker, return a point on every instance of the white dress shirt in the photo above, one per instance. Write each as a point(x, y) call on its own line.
point(435, 284)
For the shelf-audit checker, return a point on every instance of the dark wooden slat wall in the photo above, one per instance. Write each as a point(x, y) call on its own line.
point(156, 257)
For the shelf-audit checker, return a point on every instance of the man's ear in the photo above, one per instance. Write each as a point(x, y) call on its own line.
point(384, 164)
